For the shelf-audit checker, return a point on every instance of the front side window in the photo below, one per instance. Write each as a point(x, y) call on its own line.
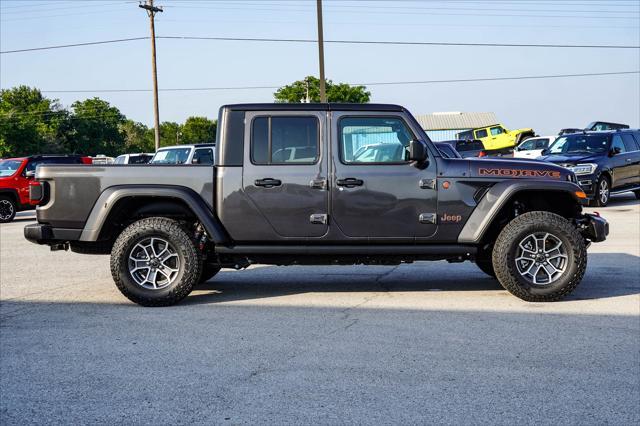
point(481, 133)
point(616, 142)
point(495, 131)
point(374, 140)
point(120, 159)
point(203, 156)
point(285, 140)
point(9, 167)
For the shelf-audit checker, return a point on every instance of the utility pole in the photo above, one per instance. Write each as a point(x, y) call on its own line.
point(151, 11)
point(323, 94)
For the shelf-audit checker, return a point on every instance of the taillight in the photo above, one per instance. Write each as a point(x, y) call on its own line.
point(36, 192)
point(482, 154)
point(86, 160)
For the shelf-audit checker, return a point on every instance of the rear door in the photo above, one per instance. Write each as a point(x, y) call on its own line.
point(285, 171)
point(621, 162)
point(632, 145)
point(380, 196)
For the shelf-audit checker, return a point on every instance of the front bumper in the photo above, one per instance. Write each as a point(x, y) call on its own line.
point(588, 184)
point(593, 227)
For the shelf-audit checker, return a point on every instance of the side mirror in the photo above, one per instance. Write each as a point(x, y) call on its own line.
point(417, 151)
point(30, 174)
point(195, 161)
point(615, 151)
point(545, 151)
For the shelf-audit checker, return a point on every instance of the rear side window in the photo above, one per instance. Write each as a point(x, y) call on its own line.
point(541, 143)
point(629, 142)
point(285, 140)
point(469, 146)
point(203, 156)
point(481, 133)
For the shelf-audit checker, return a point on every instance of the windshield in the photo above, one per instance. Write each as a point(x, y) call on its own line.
point(9, 167)
point(171, 156)
point(580, 143)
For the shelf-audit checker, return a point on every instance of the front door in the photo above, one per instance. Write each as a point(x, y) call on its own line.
point(375, 191)
point(285, 172)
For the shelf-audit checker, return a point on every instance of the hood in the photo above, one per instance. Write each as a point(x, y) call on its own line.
point(508, 168)
point(570, 158)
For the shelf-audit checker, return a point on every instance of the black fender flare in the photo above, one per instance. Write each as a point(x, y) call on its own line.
point(110, 196)
point(498, 195)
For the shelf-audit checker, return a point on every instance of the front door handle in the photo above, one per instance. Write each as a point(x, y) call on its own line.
point(349, 182)
point(268, 182)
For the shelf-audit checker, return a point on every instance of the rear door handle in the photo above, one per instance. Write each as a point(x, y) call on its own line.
point(268, 182)
point(349, 182)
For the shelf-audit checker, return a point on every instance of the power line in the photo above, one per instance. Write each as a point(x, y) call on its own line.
point(300, 40)
point(386, 83)
point(62, 46)
point(403, 43)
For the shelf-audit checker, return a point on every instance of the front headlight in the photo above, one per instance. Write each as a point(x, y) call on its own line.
point(583, 169)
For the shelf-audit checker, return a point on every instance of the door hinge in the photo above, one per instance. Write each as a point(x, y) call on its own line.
point(428, 218)
point(427, 183)
point(319, 218)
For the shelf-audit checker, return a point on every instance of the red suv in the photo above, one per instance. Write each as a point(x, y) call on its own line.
point(16, 174)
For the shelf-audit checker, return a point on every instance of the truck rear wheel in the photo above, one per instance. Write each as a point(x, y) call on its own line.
point(154, 262)
point(539, 257)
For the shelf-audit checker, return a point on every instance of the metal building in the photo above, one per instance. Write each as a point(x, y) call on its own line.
point(442, 126)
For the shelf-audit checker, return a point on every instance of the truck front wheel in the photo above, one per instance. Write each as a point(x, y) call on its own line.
point(154, 262)
point(539, 257)
point(7, 209)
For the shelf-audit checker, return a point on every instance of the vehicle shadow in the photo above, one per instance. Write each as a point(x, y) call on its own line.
point(608, 275)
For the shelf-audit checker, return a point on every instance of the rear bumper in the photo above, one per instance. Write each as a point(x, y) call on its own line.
point(594, 228)
point(39, 233)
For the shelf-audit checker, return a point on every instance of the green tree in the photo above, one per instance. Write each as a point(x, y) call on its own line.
point(170, 133)
point(137, 137)
point(336, 92)
point(31, 123)
point(96, 128)
point(198, 130)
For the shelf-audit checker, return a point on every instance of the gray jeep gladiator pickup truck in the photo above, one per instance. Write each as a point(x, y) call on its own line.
point(294, 184)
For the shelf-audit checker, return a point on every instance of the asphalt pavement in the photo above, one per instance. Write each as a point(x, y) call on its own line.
point(429, 342)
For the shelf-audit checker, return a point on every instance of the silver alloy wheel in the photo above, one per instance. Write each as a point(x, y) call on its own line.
point(6, 209)
point(154, 263)
point(542, 258)
point(604, 192)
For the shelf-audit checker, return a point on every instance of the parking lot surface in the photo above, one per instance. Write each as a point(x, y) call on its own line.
point(426, 342)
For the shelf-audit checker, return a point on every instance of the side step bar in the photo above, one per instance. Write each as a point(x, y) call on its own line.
point(622, 191)
point(431, 249)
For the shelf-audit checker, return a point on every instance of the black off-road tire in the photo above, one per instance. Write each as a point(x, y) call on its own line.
point(597, 197)
point(506, 247)
point(8, 209)
point(637, 194)
point(209, 270)
point(190, 262)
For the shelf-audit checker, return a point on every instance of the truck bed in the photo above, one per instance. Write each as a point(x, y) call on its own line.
point(69, 183)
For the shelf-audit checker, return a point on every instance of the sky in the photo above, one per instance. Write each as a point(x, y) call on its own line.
point(546, 105)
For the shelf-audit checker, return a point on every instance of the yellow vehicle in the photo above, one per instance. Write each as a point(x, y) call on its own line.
point(497, 137)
